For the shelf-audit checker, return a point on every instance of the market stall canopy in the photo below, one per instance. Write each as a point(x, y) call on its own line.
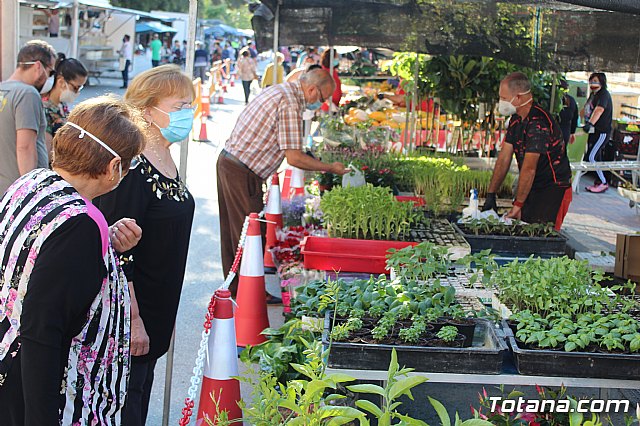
point(154, 27)
point(221, 30)
point(585, 35)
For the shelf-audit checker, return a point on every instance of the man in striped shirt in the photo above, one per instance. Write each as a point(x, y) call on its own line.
point(268, 131)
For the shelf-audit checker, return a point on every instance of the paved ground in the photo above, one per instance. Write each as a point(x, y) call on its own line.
point(592, 223)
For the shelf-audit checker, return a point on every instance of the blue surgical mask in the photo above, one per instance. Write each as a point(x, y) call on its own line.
point(336, 62)
point(314, 106)
point(180, 124)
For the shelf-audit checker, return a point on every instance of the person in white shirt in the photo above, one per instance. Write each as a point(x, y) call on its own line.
point(126, 57)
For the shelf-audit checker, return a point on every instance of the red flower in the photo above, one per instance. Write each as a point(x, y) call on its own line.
point(364, 168)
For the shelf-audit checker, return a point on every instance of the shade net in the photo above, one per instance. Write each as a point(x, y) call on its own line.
point(542, 34)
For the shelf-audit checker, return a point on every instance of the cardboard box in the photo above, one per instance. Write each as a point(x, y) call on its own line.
point(628, 257)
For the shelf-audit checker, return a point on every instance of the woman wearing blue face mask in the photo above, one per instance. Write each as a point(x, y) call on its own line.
point(325, 61)
point(155, 196)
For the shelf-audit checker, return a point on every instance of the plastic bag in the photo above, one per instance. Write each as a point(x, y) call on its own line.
point(354, 178)
point(254, 88)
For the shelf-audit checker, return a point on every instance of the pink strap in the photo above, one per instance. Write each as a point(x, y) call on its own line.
point(97, 216)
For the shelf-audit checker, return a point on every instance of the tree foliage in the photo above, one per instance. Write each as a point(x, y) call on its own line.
point(231, 12)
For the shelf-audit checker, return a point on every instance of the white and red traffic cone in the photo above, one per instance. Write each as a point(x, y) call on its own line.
point(273, 214)
point(220, 391)
point(251, 316)
point(297, 182)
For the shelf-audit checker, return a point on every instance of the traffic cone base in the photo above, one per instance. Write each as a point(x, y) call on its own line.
point(251, 315)
point(226, 393)
point(203, 132)
point(220, 390)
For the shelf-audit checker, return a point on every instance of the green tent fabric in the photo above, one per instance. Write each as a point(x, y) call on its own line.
point(542, 34)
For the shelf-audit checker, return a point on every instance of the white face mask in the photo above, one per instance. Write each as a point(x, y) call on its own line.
point(506, 108)
point(68, 96)
point(48, 85)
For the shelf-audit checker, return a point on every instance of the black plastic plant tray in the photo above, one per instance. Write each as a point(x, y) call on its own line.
point(439, 232)
point(484, 357)
point(593, 365)
point(516, 246)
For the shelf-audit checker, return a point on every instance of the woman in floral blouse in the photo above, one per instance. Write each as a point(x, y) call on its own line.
point(64, 304)
point(155, 196)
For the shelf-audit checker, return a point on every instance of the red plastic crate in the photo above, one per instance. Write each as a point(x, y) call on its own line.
point(347, 255)
point(417, 201)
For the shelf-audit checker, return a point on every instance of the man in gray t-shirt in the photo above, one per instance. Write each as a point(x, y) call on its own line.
point(22, 118)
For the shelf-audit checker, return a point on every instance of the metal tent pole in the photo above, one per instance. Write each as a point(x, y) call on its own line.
point(414, 102)
point(276, 35)
point(184, 153)
point(75, 29)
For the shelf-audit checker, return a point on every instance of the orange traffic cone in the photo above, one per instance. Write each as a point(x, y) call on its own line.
point(203, 130)
point(297, 182)
point(220, 392)
point(273, 213)
point(251, 316)
point(206, 102)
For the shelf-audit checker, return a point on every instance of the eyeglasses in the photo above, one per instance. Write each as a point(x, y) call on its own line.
point(322, 99)
point(52, 71)
point(75, 88)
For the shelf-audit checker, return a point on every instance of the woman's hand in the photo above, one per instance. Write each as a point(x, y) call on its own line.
point(139, 337)
point(125, 234)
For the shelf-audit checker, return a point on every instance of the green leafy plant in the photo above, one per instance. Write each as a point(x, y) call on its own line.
point(366, 212)
point(398, 384)
point(421, 262)
point(448, 333)
point(283, 346)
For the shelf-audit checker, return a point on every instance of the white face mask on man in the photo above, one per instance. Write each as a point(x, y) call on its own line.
point(507, 108)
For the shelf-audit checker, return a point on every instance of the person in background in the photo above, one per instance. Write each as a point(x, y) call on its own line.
point(306, 66)
point(71, 77)
point(200, 62)
point(126, 58)
point(183, 53)
point(267, 131)
point(267, 77)
point(22, 119)
point(544, 182)
point(229, 53)
point(325, 62)
point(54, 22)
point(598, 113)
point(154, 194)
point(156, 51)
point(287, 59)
point(176, 53)
point(216, 52)
point(252, 51)
point(246, 72)
point(64, 313)
point(568, 116)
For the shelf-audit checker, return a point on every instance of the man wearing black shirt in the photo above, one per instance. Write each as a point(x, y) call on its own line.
point(544, 185)
point(568, 117)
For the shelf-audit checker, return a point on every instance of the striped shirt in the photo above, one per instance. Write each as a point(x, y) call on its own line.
point(267, 126)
